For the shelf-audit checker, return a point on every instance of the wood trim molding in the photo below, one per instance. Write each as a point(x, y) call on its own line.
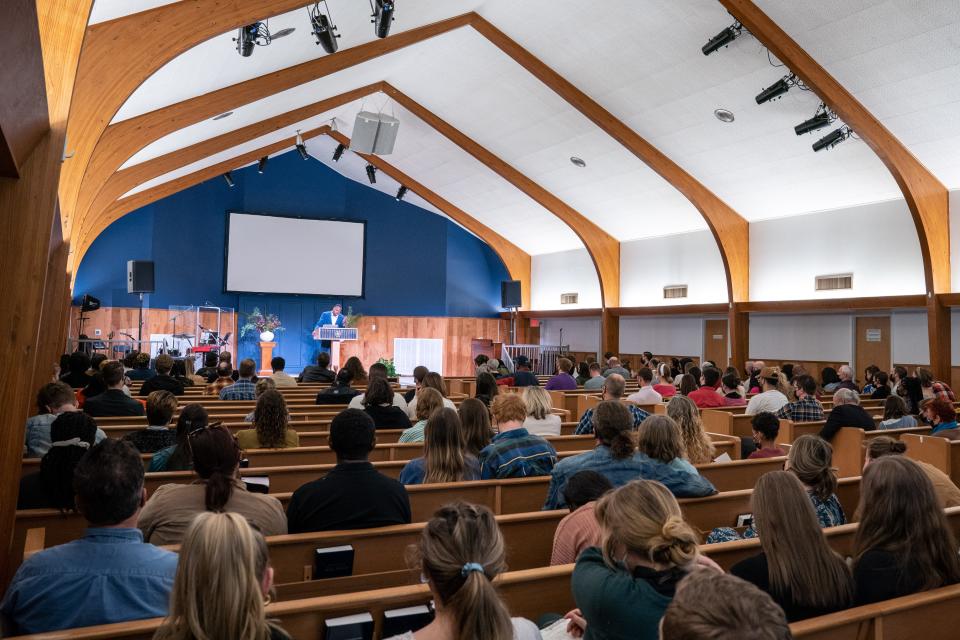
point(557, 313)
point(514, 258)
point(719, 308)
point(126, 179)
point(837, 305)
point(926, 196)
point(949, 299)
point(603, 248)
point(729, 229)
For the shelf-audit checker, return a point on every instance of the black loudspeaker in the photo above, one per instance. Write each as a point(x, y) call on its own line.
point(510, 294)
point(139, 276)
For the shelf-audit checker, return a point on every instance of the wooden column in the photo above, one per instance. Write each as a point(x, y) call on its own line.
point(938, 330)
point(266, 355)
point(739, 327)
point(55, 309)
point(609, 331)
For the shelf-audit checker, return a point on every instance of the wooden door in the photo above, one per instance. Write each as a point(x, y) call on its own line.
point(715, 342)
point(872, 344)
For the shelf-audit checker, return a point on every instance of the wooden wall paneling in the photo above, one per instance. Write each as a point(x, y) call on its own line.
point(837, 305)
point(729, 229)
point(939, 337)
point(603, 248)
point(95, 161)
point(52, 313)
point(926, 196)
point(514, 258)
point(872, 344)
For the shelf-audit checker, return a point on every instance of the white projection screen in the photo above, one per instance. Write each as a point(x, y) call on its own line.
point(275, 254)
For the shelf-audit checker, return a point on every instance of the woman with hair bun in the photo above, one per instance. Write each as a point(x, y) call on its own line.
point(623, 587)
point(948, 495)
point(461, 551)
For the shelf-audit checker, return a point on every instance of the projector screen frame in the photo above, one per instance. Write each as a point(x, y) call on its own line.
point(226, 256)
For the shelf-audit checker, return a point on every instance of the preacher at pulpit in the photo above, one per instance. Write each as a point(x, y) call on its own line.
point(332, 318)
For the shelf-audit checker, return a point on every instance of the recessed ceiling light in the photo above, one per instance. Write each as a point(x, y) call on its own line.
point(578, 161)
point(283, 33)
point(724, 115)
point(223, 115)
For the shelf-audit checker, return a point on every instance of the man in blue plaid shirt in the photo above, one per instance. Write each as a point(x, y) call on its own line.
point(514, 452)
point(807, 408)
point(243, 388)
point(613, 388)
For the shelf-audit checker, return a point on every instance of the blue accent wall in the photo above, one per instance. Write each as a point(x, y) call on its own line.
point(417, 263)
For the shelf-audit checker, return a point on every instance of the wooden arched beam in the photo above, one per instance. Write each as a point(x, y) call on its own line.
point(926, 196)
point(126, 179)
point(107, 81)
point(603, 248)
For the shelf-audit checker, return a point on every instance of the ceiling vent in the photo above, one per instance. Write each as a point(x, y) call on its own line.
point(675, 291)
point(569, 298)
point(835, 281)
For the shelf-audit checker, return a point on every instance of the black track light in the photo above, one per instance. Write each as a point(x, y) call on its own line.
point(382, 17)
point(229, 178)
point(301, 147)
point(820, 119)
point(322, 27)
point(832, 139)
point(777, 89)
point(338, 152)
point(372, 174)
point(402, 191)
point(262, 164)
point(723, 38)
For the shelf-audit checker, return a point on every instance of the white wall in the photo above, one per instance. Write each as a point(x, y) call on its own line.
point(564, 272)
point(665, 335)
point(582, 334)
point(876, 242)
point(908, 333)
point(693, 259)
point(801, 337)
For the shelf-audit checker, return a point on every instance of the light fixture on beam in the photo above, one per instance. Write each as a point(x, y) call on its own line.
point(833, 138)
point(382, 16)
point(402, 191)
point(262, 165)
point(723, 38)
point(322, 27)
point(822, 118)
point(338, 152)
point(372, 174)
point(301, 147)
point(229, 178)
point(777, 89)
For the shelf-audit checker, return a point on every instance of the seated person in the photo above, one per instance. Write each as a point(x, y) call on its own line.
point(522, 376)
point(133, 580)
point(706, 397)
point(432, 380)
point(731, 387)
point(698, 448)
point(263, 384)
point(475, 422)
point(79, 374)
point(660, 440)
point(378, 404)
point(179, 373)
point(596, 379)
point(647, 394)
point(766, 428)
point(806, 408)
point(541, 420)
point(209, 368)
point(163, 381)
point(271, 424)
point(141, 368)
point(614, 367)
point(53, 399)
point(771, 396)
point(514, 452)
point(429, 402)
point(319, 372)
point(158, 435)
point(941, 415)
point(71, 434)
point(895, 414)
point(579, 529)
point(280, 377)
point(340, 392)
point(846, 412)
point(218, 487)
point(845, 373)
point(176, 457)
point(563, 380)
point(616, 457)
point(613, 388)
point(223, 380)
point(244, 388)
point(378, 370)
point(881, 386)
point(948, 494)
point(353, 495)
point(487, 388)
point(419, 373)
point(113, 401)
point(665, 386)
point(444, 458)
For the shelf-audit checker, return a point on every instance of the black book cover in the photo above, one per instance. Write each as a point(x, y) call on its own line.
point(333, 562)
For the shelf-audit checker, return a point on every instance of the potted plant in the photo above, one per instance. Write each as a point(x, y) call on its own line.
point(391, 368)
point(266, 324)
point(352, 319)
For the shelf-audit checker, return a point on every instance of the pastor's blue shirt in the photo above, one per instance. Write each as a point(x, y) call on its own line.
point(108, 575)
point(326, 319)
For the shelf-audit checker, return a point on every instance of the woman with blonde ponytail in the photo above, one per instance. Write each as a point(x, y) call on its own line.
point(461, 551)
point(623, 588)
point(222, 585)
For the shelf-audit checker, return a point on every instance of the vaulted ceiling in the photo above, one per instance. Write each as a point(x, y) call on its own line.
point(495, 97)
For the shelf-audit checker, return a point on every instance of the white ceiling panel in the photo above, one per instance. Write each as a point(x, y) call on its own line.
point(104, 10)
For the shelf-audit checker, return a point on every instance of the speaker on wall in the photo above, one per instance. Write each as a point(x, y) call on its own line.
point(139, 276)
point(510, 294)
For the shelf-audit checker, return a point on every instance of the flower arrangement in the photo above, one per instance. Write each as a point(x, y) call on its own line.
point(391, 368)
point(261, 322)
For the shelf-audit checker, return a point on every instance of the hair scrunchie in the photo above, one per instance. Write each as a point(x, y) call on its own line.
point(471, 566)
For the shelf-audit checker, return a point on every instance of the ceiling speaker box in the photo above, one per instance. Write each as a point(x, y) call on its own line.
point(374, 133)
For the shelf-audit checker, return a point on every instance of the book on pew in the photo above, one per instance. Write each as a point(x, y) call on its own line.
point(723, 457)
point(257, 484)
point(397, 621)
point(355, 627)
point(333, 562)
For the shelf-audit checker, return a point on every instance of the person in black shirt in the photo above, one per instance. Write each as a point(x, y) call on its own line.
point(522, 377)
point(163, 381)
point(378, 404)
point(72, 434)
point(113, 401)
point(141, 368)
point(159, 435)
point(846, 412)
point(209, 368)
point(78, 377)
point(353, 495)
point(340, 392)
point(319, 372)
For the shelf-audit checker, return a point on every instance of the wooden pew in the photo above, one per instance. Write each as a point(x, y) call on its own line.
point(848, 446)
point(941, 453)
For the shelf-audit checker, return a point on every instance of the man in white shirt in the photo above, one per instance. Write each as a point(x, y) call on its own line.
point(377, 369)
point(771, 398)
point(646, 394)
point(279, 376)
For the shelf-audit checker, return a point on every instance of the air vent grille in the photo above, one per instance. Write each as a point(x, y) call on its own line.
point(835, 281)
point(675, 291)
point(569, 298)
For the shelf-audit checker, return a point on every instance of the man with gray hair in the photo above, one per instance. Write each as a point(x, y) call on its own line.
point(613, 367)
point(613, 388)
point(846, 412)
point(845, 373)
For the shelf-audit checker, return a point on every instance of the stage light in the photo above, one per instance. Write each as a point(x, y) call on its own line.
point(382, 17)
point(338, 152)
point(402, 191)
point(322, 27)
point(723, 38)
point(257, 34)
point(229, 178)
point(262, 164)
point(301, 147)
point(777, 89)
point(372, 174)
point(823, 117)
point(832, 139)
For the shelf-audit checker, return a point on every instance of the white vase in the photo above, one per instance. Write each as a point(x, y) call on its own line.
point(266, 336)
